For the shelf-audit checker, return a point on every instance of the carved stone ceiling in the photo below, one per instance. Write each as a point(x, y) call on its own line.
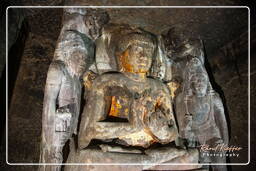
point(216, 26)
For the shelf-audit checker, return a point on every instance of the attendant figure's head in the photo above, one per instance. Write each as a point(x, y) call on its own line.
point(199, 84)
point(72, 52)
point(196, 79)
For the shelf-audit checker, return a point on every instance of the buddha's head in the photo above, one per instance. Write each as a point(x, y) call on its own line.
point(135, 52)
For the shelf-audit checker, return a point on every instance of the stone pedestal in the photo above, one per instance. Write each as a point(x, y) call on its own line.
point(96, 159)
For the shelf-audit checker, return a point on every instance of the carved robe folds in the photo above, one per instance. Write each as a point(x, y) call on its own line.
point(148, 106)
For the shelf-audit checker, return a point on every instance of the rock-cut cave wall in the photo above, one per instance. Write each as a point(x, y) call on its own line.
point(29, 60)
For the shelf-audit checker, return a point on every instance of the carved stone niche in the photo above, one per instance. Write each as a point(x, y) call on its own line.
point(131, 85)
point(128, 116)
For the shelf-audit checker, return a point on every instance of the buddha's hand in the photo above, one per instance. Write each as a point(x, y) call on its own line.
point(161, 127)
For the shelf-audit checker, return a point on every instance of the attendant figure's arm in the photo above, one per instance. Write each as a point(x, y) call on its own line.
point(52, 89)
point(220, 118)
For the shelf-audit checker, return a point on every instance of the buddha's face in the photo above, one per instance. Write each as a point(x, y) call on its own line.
point(199, 84)
point(137, 58)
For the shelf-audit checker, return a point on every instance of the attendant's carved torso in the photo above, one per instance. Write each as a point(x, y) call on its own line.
point(199, 122)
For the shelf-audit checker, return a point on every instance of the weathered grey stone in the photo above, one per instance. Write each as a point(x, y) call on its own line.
point(199, 109)
point(170, 155)
point(144, 101)
point(25, 119)
point(73, 56)
point(115, 149)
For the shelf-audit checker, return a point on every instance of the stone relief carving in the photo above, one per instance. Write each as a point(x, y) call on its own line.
point(129, 94)
point(74, 54)
point(137, 85)
point(127, 111)
point(199, 109)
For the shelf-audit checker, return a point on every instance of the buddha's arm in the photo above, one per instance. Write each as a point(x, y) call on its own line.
point(107, 129)
point(167, 110)
point(92, 112)
point(92, 122)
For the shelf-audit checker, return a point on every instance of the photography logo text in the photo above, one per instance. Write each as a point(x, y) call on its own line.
point(220, 150)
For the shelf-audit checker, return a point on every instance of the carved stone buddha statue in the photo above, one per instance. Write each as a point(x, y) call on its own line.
point(127, 105)
point(128, 116)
